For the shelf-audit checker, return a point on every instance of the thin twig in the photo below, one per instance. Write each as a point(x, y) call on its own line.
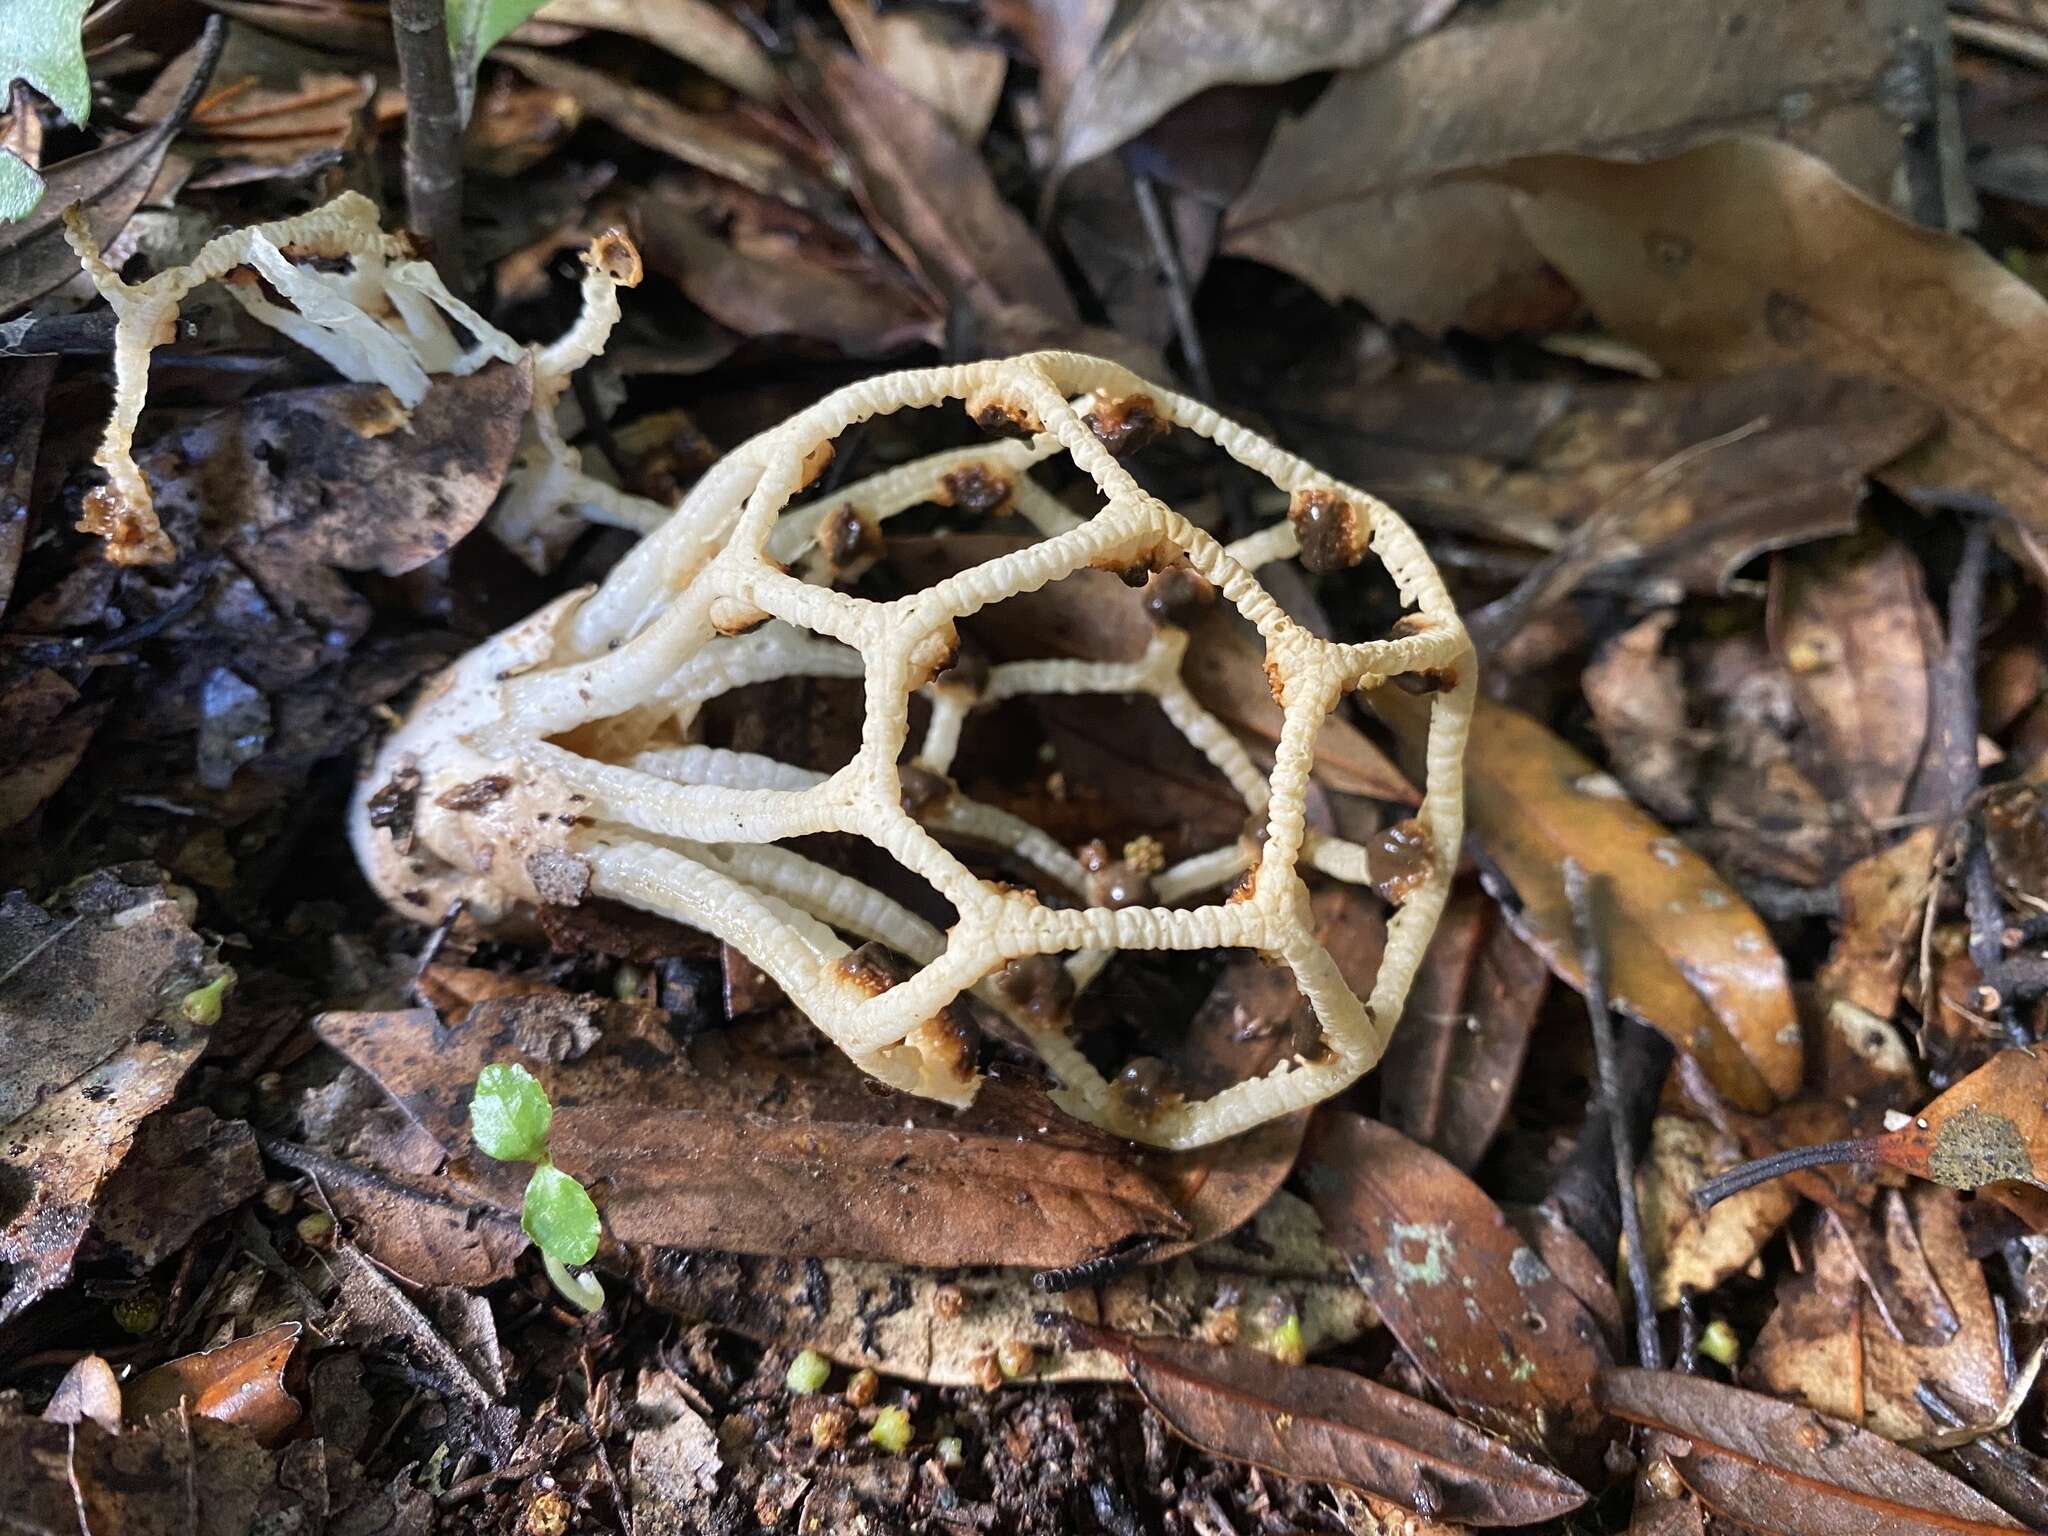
point(1179, 296)
point(433, 132)
point(1593, 961)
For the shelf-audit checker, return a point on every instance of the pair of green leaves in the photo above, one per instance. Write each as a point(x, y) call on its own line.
point(509, 1117)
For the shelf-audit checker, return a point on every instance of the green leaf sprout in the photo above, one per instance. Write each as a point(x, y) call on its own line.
point(509, 1116)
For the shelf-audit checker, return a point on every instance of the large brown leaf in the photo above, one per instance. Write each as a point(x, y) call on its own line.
point(1406, 229)
point(1793, 1472)
point(779, 1156)
point(1156, 54)
point(1746, 253)
point(1501, 1337)
point(1685, 953)
point(240, 1382)
point(1331, 1426)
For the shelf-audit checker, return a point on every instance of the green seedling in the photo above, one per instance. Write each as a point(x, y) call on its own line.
point(509, 1116)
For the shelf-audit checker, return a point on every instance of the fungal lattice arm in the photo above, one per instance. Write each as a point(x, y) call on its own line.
point(557, 761)
point(354, 296)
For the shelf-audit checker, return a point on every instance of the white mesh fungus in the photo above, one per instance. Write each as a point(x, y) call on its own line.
point(379, 316)
point(555, 761)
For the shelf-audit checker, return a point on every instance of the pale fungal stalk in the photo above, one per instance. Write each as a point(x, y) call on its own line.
point(554, 763)
point(381, 318)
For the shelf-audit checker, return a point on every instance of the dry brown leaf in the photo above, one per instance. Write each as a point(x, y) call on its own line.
point(184, 1170)
point(699, 32)
point(1792, 1472)
point(940, 1326)
point(1691, 1249)
point(1679, 484)
point(863, 313)
point(241, 1382)
point(1407, 230)
point(1685, 953)
point(1154, 55)
point(921, 51)
point(934, 200)
point(1637, 695)
point(1451, 1069)
point(89, 1390)
point(1501, 1337)
point(1883, 897)
point(1746, 254)
point(1330, 1426)
point(710, 142)
point(1850, 622)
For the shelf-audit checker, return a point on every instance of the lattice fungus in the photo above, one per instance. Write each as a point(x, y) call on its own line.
point(556, 761)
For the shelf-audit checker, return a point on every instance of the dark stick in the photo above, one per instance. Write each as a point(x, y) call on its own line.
point(1578, 891)
point(1712, 1192)
point(1178, 295)
point(1950, 774)
point(433, 132)
point(1583, 1192)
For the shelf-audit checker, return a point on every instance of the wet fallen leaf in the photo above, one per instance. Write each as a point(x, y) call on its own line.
point(241, 1382)
point(92, 1038)
point(1685, 953)
point(782, 1157)
point(1477, 1310)
point(698, 31)
point(1407, 231)
point(1790, 1471)
point(934, 200)
point(1152, 56)
point(1850, 622)
point(184, 1170)
point(1691, 1249)
point(1451, 1069)
point(1992, 1125)
point(1331, 1426)
point(942, 1325)
point(53, 724)
point(1746, 254)
point(1883, 897)
point(711, 142)
point(956, 77)
point(866, 312)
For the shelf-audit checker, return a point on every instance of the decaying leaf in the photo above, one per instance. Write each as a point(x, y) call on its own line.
point(1850, 623)
point(241, 1382)
point(24, 383)
point(1154, 55)
point(1451, 1069)
point(699, 31)
point(287, 472)
point(1333, 1426)
point(1411, 233)
point(958, 78)
point(1991, 1126)
point(93, 1036)
point(1637, 695)
point(1685, 953)
point(184, 1170)
point(1476, 1308)
point(943, 1325)
point(1790, 1471)
point(1691, 1249)
point(1746, 254)
point(675, 1461)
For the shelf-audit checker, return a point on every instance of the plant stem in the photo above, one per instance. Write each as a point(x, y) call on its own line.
point(1593, 961)
point(1712, 1192)
point(433, 132)
point(583, 1290)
